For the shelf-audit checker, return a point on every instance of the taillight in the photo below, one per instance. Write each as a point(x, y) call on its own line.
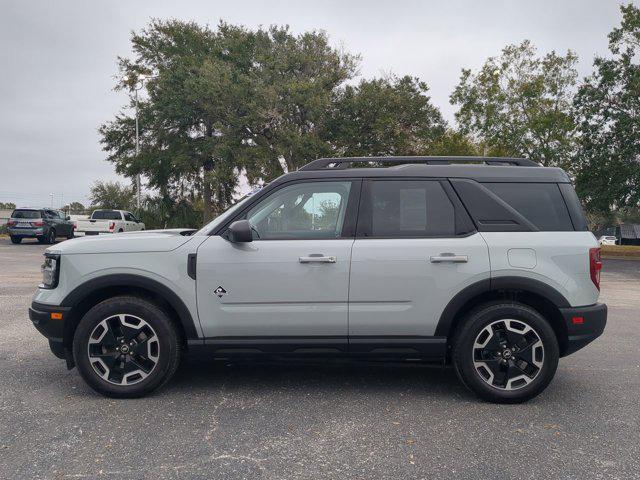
point(37, 224)
point(595, 266)
point(112, 225)
point(10, 223)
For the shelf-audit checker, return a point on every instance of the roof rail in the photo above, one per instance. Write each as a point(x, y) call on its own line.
point(324, 163)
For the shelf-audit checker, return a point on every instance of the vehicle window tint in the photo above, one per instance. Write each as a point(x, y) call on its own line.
point(301, 211)
point(106, 215)
point(540, 203)
point(410, 208)
point(26, 214)
point(128, 217)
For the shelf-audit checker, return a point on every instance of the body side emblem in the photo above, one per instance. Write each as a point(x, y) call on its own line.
point(220, 291)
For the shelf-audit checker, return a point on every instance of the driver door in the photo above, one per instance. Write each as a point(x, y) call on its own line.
point(292, 280)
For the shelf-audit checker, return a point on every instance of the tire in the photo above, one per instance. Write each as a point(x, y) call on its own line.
point(15, 240)
point(51, 236)
point(41, 239)
point(505, 352)
point(151, 340)
point(120, 231)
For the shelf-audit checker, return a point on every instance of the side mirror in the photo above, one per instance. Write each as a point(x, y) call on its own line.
point(240, 232)
point(67, 218)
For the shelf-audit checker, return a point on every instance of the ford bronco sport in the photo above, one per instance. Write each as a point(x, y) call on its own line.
point(485, 263)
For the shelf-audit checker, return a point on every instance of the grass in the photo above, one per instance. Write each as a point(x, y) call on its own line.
point(626, 251)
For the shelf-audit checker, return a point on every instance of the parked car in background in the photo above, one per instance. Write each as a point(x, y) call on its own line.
point(109, 221)
point(41, 223)
point(607, 240)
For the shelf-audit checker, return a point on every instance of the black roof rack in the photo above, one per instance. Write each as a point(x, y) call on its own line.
point(340, 163)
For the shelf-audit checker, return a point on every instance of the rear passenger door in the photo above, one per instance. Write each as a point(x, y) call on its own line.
point(415, 249)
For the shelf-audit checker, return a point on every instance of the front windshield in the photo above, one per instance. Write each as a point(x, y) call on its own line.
point(224, 215)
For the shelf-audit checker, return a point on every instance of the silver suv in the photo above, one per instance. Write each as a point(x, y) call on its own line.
point(485, 263)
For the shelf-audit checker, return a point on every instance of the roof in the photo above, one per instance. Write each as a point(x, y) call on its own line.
point(483, 169)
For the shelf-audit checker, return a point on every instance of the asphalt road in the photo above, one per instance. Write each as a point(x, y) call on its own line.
point(317, 421)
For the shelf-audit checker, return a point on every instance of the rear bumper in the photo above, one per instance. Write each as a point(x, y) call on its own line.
point(52, 329)
point(584, 325)
point(26, 232)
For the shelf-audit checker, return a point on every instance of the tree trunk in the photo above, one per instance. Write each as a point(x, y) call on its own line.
point(207, 210)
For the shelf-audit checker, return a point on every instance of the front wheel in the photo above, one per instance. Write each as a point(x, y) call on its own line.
point(16, 240)
point(126, 347)
point(505, 352)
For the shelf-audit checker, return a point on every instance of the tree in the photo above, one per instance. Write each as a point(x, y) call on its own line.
point(111, 195)
point(296, 81)
point(223, 101)
point(608, 106)
point(519, 104)
point(75, 207)
point(7, 206)
point(387, 116)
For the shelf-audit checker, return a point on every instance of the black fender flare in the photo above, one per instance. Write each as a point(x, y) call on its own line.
point(487, 285)
point(84, 290)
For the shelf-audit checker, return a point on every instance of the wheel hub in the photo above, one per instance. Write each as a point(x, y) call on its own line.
point(508, 354)
point(123, 349)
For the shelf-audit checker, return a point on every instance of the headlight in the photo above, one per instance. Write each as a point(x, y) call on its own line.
point(50, 271)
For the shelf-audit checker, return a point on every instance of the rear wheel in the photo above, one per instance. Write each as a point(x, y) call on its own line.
point(15, 239)
point(505, 352)
point(126, 347)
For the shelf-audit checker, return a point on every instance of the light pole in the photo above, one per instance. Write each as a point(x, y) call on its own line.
point(136, 84)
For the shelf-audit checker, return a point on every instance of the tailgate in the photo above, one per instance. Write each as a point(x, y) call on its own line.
point(93, 226)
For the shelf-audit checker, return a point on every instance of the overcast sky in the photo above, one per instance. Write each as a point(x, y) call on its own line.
point(58, 60)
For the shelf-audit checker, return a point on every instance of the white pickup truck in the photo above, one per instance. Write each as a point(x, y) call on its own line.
point(109, 221)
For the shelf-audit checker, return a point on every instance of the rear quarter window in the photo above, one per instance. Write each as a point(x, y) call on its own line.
point(540, 203)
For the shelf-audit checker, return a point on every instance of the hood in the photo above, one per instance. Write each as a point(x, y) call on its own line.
point(130, 242)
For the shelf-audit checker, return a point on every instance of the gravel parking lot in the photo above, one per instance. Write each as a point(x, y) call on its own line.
point(316, 421)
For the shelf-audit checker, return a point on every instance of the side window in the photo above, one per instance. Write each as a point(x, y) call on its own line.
point(407, 208)
point(540, 203)
point(129, 217)
point(301, 211)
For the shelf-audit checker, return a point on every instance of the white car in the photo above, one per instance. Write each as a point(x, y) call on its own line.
point(489, 267)
point(607, 240)
point(109, 221)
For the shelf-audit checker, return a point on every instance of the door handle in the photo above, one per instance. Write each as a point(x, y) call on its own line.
point(317, 259)
point(449, 257)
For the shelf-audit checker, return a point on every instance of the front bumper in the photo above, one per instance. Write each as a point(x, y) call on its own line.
point(584, 325)
point(49, 320)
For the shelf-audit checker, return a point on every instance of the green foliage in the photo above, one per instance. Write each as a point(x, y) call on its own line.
point(111, 195)
point(608, 105)
point(221, 101)
point(158, 213)
point(261, 102)
point(388, 116)
point(519, 104)
point(7, 206)
point(75, 208)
